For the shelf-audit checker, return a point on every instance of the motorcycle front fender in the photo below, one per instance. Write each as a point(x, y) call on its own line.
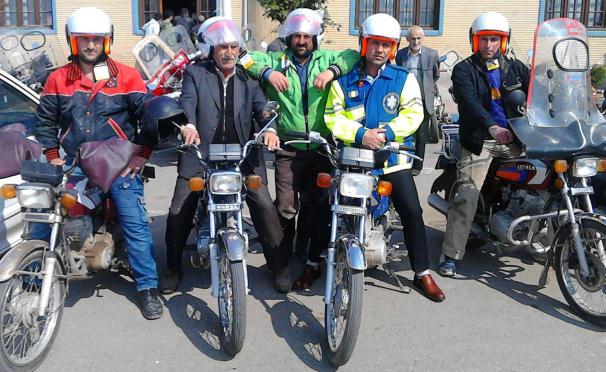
point(233, 242)
point(12, 258)
point(354, 251)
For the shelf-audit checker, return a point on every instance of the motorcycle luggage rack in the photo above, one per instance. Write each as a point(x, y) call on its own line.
point(359, 158)
point(451, 146)
point(218, 152)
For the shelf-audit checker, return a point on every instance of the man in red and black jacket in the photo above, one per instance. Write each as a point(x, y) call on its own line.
point(95, 98)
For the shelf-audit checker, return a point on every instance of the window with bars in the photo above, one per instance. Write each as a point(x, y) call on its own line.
point(592, 13)
point(147, 9)
point(21, 13)
point(425, 13)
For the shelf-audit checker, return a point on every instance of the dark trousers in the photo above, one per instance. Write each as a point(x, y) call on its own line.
point(181, 217)
point(421, 140)
point(296, 173)
point(406, 202)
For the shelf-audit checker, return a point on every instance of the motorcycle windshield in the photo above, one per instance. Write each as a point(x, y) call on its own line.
point(177, 39)
point(151, 53)
point(562, 118)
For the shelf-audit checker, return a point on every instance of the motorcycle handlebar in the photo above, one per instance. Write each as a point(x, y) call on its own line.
point(297, 135)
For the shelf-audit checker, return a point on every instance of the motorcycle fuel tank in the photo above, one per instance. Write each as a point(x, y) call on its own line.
point(523, 172)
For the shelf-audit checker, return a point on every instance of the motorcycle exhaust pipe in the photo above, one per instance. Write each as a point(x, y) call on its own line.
point(441, 205)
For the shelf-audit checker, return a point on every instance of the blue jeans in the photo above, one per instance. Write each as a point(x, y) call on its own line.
point(127, 195)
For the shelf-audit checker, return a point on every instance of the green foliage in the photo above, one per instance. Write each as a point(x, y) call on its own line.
point(277, 10)
point(598, 76)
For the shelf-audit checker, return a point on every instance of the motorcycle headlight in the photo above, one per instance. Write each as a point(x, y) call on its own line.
point(34, 196)
point(225, 183)
point(356, 185)
point(585, 167)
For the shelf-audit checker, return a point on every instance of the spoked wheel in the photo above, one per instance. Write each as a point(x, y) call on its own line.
point(232, 304)
point(26, 338)
point(586, 295)
point(343, 313)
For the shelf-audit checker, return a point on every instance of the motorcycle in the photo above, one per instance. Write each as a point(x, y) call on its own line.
point(163, 59)
point(440, 117)
point(221, 241)
point(541, 200)
point(34, 276)
point(363, 220)
point(28, 58)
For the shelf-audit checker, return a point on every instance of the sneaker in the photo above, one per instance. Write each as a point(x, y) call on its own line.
point(447, 267)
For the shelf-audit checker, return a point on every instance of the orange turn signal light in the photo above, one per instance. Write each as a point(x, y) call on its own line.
point(384, 188)
point(323, 180)
point(68, 200)
point(602, 165)
point(8, 191)
point(560, 166)
point(197, 184)
point(254, 182)
point(559, 184)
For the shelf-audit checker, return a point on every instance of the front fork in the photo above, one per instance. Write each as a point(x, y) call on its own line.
point(49, 262)
point(576, 234)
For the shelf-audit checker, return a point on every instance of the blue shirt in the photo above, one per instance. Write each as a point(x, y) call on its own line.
point(497, 110)
point(302, 72)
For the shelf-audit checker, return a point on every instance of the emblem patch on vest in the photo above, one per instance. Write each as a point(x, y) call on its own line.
point(390, 103)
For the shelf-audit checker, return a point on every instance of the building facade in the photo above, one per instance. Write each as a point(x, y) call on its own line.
point(446, 21)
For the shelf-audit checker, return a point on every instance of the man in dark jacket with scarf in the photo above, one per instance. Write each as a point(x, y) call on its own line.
point(481, 85)
point(221, 102)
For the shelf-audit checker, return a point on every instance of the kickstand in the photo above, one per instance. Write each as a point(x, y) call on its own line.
point(390, 272)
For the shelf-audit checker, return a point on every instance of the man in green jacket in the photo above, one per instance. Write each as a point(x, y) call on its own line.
point(297, 78)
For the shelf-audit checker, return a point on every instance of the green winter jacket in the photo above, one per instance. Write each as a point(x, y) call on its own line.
point(291, 117)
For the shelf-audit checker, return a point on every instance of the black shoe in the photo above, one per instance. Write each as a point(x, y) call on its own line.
point(282, 281)
point(150, 305)
point(170, 282)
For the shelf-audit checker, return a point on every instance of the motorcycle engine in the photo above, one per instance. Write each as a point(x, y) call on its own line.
point(519, 203)
point(77, 230)
point(375, 247)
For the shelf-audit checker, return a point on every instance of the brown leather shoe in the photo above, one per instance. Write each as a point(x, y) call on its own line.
point(309, 275)
point(429, 287)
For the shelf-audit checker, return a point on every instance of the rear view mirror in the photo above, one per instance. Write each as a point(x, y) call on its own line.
point(571, 55)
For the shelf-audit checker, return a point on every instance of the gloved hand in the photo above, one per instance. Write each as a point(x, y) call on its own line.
point(500, 134)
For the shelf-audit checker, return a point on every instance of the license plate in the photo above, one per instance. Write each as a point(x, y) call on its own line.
point(224, 207)
point(39, 217)
point(348, 209)
point(581, 190)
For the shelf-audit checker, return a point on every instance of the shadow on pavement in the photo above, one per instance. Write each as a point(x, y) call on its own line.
point(292, 320)
point(493, 270)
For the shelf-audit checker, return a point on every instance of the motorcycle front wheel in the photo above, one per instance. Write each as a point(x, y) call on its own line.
point(343, 313)
point(232, 304)
point(26, 338)
point(586, 295)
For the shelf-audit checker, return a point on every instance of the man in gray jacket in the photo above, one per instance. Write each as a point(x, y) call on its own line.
point(222, 103)
point(424, 63)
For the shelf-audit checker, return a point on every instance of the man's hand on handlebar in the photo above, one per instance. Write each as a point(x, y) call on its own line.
point(374, 138)
point(271, 140)
point(190, 135)
point(501, 135)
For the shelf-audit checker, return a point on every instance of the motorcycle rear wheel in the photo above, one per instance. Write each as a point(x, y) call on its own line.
point(343, 314)
point(232, 304)
point(25, 339)
point(586, 296)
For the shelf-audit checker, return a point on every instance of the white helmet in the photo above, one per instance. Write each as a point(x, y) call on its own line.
point(89, 21)
point(215, 31)
point(301, 20)
point(382, 27)
point(491, 23)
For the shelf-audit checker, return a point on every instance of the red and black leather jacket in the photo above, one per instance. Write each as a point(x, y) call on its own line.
point(73, 110)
